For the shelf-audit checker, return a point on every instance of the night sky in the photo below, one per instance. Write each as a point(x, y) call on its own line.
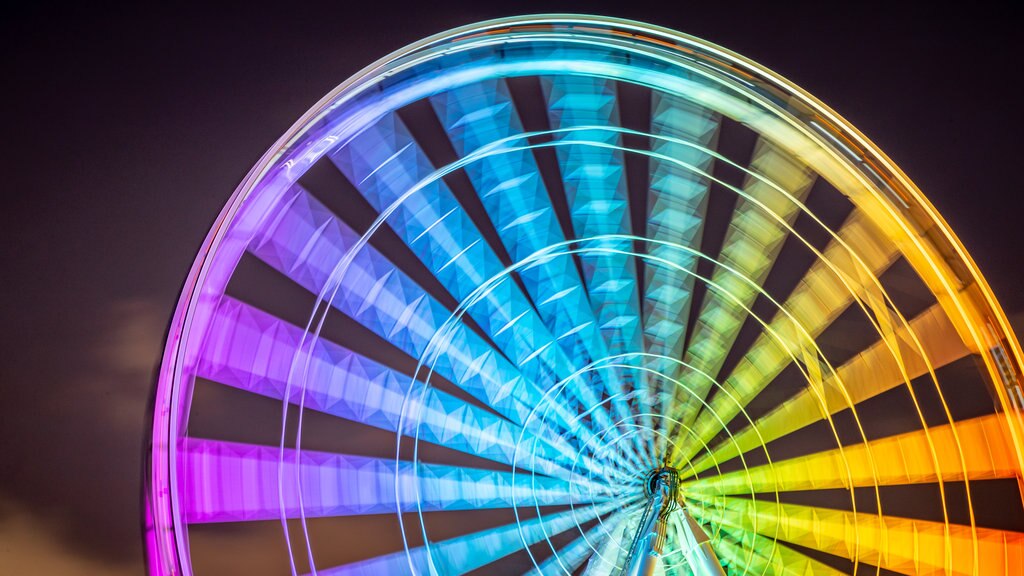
point(127, 129)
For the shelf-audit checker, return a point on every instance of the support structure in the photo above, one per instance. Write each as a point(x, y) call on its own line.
point(648, 544)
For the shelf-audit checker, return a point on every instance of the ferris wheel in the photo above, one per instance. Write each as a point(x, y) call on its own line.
point(578, 295)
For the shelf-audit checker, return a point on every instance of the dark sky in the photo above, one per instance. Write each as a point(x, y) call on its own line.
point(126, 129)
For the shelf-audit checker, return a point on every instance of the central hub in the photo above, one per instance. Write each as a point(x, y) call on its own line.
point(663, 483)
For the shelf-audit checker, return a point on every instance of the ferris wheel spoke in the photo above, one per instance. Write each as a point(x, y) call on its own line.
point(595, 187)
point(868, 374)
point(511, 189)
point(568, 559)
point(677, 203)
point(463, 554)
point(254, 351)
point(893, 543)
point(748, 553)
point(676, 208)
point(384, 162)
point(751, 244)
point(820, 297)
point(305, 241)
point(606, 558)
point(597, 194)
point(979, 451)
point(234, 482)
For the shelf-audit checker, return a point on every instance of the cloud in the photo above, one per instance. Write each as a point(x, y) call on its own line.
point(30, 544)
point(131, 343)
point(70, 497)
point(125, 356)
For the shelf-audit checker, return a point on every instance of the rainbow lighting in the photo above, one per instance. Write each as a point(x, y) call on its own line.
point(460, 315)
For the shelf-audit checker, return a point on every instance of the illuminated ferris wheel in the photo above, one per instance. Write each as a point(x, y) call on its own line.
point(575, 295)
